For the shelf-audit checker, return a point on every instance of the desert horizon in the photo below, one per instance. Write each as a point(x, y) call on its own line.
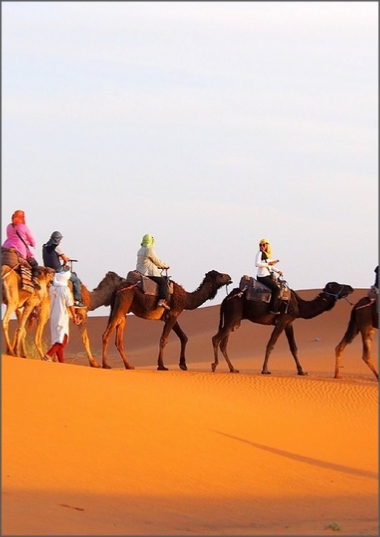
point(90, 451)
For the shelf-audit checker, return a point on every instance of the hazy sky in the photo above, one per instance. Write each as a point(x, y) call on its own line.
point(209, 125)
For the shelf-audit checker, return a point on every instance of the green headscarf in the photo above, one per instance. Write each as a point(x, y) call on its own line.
point(147, 241)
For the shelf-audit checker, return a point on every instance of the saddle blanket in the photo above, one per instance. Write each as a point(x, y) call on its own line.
point(10, 257)
point(255, 290)
point(26, 279)
point(148, 286)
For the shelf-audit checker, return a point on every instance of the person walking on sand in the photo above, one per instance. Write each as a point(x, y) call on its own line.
point(61, 302)
point(148, 264)
point(265, 266)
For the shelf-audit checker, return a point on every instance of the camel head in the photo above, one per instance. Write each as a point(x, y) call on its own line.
point(215, 280)
point(337, 290)
point(45, 274)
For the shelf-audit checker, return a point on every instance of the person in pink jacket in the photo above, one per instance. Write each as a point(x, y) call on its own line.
point(21, 239)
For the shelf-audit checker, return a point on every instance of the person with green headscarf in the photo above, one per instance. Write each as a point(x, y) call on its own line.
point(148, 264)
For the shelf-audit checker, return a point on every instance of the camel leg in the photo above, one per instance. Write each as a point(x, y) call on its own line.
point(289, 331)
point(221, 339)
point(86, 342)
point(43, 317)
point(348, 337)
point(163, 341)
point(278, 329)
point(21, 331)
point(183, 339)
point(119, 341)
point(7, 316)
point(367, 342)
point(223, 348)
point(215, 345)
point(117, 317)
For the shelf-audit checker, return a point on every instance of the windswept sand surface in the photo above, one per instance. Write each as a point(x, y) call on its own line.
point(143, 452)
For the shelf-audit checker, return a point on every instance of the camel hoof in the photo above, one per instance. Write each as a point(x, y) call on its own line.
point(95, 364)
point(183, 367)
point(302, 373)
point(106, 366)
point(213, 367)
point(234, 371)
point(162, 368)
point(129, 367)
point(265, 372)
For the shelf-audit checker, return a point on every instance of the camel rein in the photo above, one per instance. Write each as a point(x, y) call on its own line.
point(336, 296)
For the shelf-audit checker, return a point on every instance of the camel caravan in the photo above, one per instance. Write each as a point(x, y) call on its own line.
point(137, 294)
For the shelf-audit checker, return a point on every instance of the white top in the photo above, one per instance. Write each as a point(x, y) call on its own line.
point(263, 268)
point(60, 299)
point(148, 263)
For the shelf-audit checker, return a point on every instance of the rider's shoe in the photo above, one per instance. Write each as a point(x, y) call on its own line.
point(163, 304)
point(79, 304)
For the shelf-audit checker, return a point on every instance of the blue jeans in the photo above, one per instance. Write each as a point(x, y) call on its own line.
point(76, 284)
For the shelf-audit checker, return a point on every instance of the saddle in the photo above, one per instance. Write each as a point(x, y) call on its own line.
point(147, 286)
point(255, 290)
point(10, 257)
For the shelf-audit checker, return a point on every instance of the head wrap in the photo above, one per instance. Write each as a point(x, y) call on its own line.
point(18, 217)
point(147, 241)
point(55, 238)
point(269, 249)
point(61, 279)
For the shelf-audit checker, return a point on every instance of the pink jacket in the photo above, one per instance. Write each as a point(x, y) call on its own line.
point(14, 241)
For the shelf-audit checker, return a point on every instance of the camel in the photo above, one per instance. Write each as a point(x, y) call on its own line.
point(22, 303)
point(100, 296)
point(235, 307)
point(130, 298)
point(364, 319)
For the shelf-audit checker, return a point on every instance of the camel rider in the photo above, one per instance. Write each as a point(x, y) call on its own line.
point(148, 264)
point(21, 239)
point(55, 258)
point(265, 266)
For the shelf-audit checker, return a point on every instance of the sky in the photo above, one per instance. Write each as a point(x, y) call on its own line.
point(209, 125)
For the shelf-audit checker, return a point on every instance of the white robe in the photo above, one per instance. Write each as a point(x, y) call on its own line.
point(60, 299)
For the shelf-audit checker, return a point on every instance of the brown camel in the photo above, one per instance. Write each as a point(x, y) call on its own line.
point(21, 303)
point(100, 296)
point(235, 307)
point(364, 319)
point(132, 299)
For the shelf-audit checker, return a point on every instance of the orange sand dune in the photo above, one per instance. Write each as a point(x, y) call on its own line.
point(144, 452)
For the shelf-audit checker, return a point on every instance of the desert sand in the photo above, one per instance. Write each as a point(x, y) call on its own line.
point(89, 451)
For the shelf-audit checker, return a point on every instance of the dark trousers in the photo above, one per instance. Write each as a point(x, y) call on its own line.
point(269, 282)
point(34, 266)
point(163, 290)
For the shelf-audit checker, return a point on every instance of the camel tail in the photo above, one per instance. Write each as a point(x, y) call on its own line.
point(221, 313)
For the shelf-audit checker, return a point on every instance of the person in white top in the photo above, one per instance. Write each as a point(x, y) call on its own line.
point(148, 264)
point(265, 266)
point(61, 302)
